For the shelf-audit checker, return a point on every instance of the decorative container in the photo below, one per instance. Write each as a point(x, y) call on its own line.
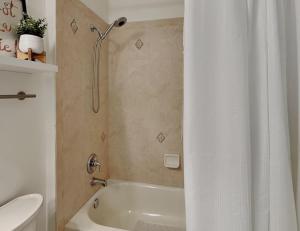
point(35, 43)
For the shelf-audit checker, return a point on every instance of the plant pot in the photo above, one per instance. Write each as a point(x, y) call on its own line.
point(28, 41)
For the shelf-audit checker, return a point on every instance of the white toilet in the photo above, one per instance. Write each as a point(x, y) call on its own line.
point(20, 214)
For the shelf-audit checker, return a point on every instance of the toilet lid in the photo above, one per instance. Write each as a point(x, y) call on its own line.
point(19, 212)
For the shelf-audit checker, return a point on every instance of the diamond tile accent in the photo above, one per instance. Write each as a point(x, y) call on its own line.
point(139, 44)
point(103, 137)
point(74, 26)
point(161, 137)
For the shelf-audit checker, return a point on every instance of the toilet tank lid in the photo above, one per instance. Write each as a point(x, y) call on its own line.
point(20, 211)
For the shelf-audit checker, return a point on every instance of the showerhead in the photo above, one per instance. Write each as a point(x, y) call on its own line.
point(118, 23)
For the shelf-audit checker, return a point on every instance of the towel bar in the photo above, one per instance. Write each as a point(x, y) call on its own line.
point(20, 96)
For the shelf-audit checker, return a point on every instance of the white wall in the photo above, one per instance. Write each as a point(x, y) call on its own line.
point(100, 7)
point(26, 137)
point(136, 10)
point(27, 130)
point(143, 10)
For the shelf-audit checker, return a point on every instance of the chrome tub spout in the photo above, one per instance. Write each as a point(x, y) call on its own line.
point(95, 181)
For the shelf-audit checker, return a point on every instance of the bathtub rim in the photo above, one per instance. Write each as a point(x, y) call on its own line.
point(82, 221)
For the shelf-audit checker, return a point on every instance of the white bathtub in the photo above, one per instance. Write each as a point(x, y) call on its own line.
point(132, 206)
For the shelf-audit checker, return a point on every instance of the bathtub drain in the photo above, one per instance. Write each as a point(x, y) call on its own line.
point(96, 203)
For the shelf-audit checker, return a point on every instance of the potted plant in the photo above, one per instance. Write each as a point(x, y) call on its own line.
point(31, 33)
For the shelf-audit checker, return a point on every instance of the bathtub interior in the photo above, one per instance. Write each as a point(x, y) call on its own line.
point(139, 207)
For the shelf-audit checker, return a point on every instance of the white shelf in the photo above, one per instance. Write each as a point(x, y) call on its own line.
point(12, 64)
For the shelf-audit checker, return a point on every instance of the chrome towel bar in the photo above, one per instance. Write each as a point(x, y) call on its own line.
point(20, 96)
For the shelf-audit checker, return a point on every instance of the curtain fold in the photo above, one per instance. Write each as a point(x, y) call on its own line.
point(293, 65)
point(241, 115)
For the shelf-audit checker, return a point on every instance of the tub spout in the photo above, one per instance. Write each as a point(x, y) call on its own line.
point(95, 181)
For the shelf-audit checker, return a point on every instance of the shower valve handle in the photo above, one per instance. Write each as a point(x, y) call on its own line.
point(97, 165)
point(93, 164)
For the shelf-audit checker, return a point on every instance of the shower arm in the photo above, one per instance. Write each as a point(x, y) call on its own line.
point(108, 30)
point(102, 35)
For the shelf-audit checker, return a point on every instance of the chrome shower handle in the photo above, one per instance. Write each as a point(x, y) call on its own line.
point(93, 164)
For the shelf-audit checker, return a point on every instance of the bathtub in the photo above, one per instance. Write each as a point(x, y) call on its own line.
point(123, 206)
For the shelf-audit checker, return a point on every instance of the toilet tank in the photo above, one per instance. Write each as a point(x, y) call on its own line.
point(20, 214)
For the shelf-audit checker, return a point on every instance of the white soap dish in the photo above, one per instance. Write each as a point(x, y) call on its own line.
point(172, 161)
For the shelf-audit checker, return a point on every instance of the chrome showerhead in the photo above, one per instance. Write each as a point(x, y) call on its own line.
point(120, 22)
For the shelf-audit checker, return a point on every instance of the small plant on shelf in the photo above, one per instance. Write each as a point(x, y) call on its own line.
point(29, 25)
point(31, 33)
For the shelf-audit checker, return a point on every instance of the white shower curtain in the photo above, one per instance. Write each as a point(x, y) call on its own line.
point(241, 107)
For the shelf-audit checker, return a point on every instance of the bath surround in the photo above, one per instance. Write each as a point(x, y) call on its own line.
point(141, 87)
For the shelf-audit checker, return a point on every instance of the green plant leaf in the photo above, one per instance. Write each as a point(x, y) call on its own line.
point(29, 25)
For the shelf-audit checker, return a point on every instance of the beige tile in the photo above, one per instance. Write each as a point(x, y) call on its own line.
point(145, 98)
point(78, 129)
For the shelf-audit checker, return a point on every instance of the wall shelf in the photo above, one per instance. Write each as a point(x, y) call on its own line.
point(12, 64)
